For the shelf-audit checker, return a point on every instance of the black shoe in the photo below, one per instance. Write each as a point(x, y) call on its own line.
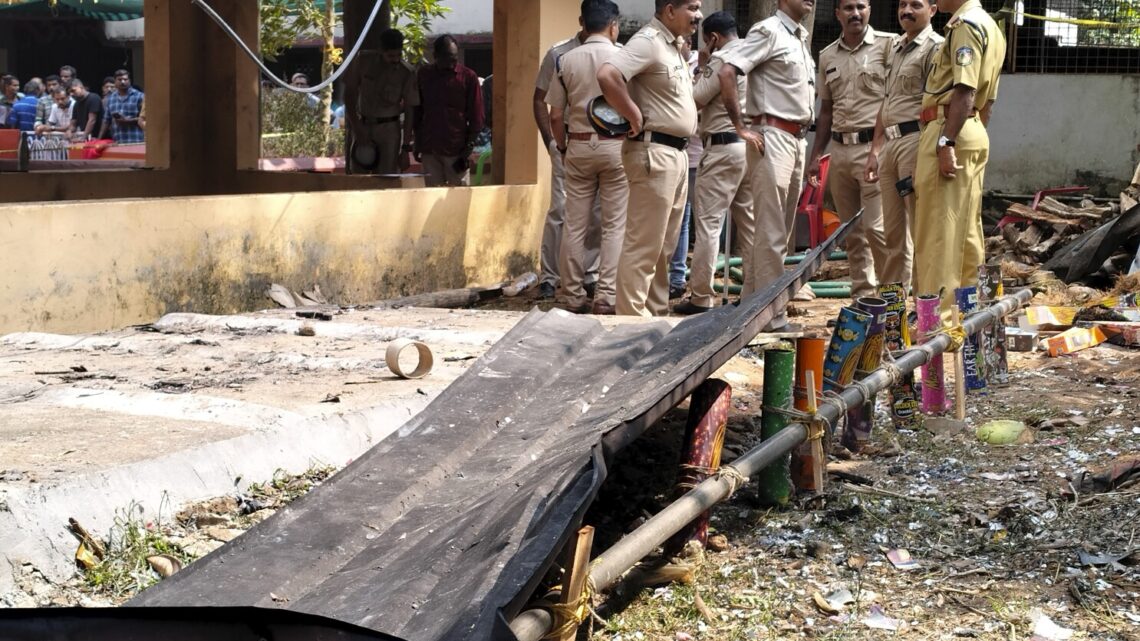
point(688, 308)
point(590, 289)
point(584, 308)
point(676, 292)
point(545, 290)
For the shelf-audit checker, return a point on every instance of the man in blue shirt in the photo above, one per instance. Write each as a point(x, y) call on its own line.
point(23, 112)
point(122, 114)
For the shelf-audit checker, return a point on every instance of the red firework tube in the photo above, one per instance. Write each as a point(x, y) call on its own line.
point(704, 437)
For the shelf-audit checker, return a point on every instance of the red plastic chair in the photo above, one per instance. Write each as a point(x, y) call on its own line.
point(811, 204)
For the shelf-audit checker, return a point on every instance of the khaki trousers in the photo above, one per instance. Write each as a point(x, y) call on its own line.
point(441, 171)
point(722, 186)
point(896, 162)
point(552, 228)
point(594, 171)
point(948, 242)
point(658, 187)
point(866, 243)
point(386, 137)
point(777, 180)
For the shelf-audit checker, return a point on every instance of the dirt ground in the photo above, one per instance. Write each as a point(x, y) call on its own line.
point(1005, 540)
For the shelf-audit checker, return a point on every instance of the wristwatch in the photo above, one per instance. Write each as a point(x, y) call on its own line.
point(943, 141)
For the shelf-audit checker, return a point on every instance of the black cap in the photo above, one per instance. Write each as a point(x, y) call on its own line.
point(605, 119)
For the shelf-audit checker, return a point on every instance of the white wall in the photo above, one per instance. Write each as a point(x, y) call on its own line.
point(466, 17)
point(476, 16)
point(1046, 127)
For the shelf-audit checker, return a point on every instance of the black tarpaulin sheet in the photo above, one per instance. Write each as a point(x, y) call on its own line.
point(442, 530)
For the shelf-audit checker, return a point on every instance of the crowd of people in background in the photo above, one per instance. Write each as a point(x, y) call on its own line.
point(62, 105)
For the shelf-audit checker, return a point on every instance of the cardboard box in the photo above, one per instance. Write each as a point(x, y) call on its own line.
point(1020, 340)
point(1074, 340)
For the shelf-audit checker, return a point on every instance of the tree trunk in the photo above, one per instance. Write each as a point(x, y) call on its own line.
point(328, 36)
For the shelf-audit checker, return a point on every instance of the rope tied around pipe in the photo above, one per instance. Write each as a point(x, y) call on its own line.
point(957, 335)
point(812, 420)
point(568, 617)
point(735, 479)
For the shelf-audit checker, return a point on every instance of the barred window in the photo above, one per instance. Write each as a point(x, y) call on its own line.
point(1074, 36)
point(1042, 36)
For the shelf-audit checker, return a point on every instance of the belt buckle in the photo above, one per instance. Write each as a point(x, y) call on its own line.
point(851, 138)
point(892, 132)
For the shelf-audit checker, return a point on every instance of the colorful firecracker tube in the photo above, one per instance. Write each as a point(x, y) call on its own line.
point(896, 337)
point(967, 300)
point(860, 420)
point(933, 373)
point(845, 348)
point(775, 481)
point(994, 349)
point(809, 357)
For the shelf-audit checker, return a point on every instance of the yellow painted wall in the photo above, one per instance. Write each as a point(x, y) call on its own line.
point(96, 250)
point(75, 267)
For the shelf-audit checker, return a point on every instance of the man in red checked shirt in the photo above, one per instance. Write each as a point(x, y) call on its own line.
point(449, 116)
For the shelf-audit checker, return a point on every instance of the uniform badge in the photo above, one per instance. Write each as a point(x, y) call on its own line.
point(964, 57)
point(708, 72)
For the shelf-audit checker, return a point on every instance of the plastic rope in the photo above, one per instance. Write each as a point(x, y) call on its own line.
point(735, 479)
point(265, 70)
point(568, 617)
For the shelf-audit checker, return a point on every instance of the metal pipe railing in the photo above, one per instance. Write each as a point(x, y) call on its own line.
point(608, 567)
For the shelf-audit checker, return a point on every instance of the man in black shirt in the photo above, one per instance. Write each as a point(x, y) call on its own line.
point(87, 113)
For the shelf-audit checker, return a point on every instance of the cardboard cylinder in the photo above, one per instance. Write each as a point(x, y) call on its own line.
point(994, 349)
point(775, 481)
point(861, 420)
point(933, 373)
point(809, 358)
point(896, 337)
point(972, 361)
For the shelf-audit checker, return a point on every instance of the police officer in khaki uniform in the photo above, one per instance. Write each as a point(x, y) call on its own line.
point(648, 82)
point(552, 228)
point(592, 163)
point(953, 149)
point(851, 76)
point(780, 106)
point(722, 183)
point(380, 94)
point(894, 150)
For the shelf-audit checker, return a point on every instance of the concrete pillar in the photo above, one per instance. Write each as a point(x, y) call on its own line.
point(523, 31)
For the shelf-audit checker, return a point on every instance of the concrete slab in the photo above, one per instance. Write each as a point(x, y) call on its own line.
point(197, 406)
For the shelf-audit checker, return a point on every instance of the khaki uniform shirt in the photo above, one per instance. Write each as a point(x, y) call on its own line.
point(385, 89)
point(575, 81)
point(972, 56)
point(781, 73)
point(660, 82)
point(714, 117)
point(853, 80)
point(907, 65)
point(550, 61)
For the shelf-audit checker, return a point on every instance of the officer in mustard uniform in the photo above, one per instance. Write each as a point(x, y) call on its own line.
point(592, 163)
point(953, 150)
point(379, 98)
point(851, 78)
point(722, 183)
point(895, 148)
point(780, 107)
point(648, 82)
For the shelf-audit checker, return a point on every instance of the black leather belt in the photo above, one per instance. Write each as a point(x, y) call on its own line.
point(855, 137)
point(724, 138)
point(379, 121)
point(676, 142)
